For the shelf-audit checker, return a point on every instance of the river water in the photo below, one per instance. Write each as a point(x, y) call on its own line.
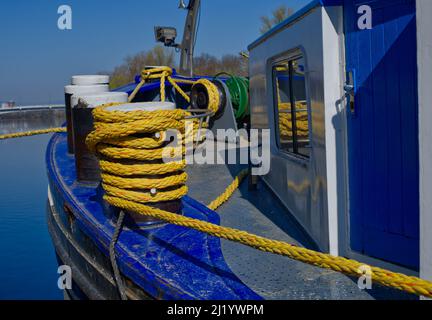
point(28, 267)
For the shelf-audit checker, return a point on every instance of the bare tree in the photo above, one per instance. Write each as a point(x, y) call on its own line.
point(278, 15)
point(204, 65)
point(208, 65)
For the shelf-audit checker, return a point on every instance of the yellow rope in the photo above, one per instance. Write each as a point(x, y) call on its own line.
point(121, 191)
point(227, 194)
point(384, 277)
point(165, 74)
point(285, 123)
point(212, 93)
point(176, 86)
point(118, 139)
point(151, 74)
point(31, 133)
point(115, 139)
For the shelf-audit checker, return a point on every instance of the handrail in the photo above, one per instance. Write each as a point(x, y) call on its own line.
point(32, 108)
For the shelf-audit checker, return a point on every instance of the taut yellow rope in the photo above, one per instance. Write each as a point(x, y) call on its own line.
point(227, 194)
point(31, 133)
point(387, 278)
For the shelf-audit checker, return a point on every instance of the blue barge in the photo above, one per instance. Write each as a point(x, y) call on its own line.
point(349, 179)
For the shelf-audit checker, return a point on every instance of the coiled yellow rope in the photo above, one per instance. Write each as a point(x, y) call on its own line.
point(213, 94)
point(121, 137)
point(31, 133)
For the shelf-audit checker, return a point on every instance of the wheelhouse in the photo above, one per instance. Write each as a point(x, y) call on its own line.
point(338, 85)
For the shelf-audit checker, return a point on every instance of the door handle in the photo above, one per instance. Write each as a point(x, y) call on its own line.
point(349, 88)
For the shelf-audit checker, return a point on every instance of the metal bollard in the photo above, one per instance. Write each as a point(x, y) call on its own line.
point(175, 206)
point(86, 163)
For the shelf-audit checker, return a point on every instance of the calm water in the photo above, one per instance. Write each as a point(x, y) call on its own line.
point(28, 268)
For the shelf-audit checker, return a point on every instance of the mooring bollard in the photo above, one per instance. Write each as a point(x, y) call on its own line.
point(81, 85)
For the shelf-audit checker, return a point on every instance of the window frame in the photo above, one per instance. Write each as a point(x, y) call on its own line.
point(288, 57)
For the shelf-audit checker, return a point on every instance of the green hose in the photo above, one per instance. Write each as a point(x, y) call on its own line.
point(239, 91)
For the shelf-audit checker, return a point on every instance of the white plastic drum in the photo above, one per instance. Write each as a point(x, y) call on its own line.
point(86, 80)
point(86, 89)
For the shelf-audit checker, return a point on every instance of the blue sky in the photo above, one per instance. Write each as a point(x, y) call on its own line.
point(37, 59)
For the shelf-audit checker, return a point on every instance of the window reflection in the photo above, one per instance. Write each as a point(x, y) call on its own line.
point(292, 110)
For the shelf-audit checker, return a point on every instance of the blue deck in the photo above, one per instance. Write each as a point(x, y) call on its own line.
point(169, 262)
point(172, 262)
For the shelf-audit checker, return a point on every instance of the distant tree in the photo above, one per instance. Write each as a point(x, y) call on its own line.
point(205, 65)
point(278, 15)
point(132, 65)
point(208, 65)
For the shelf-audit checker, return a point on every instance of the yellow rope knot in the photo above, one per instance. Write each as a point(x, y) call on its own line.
point(165, 74)
point(162, 73)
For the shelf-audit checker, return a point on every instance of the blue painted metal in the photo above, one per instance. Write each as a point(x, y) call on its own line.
point(383, 132)
point(168, 262)
point(129, 88)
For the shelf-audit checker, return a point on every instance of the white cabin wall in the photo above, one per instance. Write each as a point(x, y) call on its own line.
point(301, 184)
point(332, 21)
point(424, 62)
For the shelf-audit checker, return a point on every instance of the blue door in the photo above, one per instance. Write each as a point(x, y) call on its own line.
point(383, 132)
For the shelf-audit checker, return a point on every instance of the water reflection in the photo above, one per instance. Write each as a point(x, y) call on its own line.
point(28, 268)
point(30, 120)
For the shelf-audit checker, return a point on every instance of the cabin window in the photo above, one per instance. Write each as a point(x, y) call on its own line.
point(292, 116)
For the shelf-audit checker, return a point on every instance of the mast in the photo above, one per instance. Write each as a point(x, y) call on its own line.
point(189, 36)
point(167, 35)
